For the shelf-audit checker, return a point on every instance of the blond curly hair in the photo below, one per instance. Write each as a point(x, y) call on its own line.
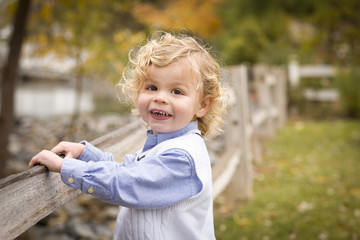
point(163, 49)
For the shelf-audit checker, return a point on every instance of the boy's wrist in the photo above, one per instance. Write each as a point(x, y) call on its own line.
point(90, 152)
point(58, 169)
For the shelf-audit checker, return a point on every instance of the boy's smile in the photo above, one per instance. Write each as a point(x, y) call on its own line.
point(169, 100)
point(159, 114)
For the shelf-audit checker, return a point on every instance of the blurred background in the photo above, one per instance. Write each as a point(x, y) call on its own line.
point(60, 61)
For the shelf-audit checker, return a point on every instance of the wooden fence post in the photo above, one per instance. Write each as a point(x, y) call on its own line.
point(281, 95)
point(231, 124)
point(262, 81)
point(243, 175)
point(294, 72)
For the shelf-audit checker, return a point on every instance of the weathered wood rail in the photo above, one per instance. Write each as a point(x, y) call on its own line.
point(29, 196)
point(296, 72)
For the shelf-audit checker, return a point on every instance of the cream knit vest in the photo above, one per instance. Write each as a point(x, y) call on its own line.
point(191, 219)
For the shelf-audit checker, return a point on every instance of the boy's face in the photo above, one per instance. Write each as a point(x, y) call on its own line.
point(169, 100)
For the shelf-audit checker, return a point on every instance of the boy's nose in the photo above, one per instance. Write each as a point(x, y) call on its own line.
point(160, 97)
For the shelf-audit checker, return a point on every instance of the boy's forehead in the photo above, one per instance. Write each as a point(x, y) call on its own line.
point(179, 70)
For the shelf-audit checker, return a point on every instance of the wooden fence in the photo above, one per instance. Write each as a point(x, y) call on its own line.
point(296, 72)
point(257, 109)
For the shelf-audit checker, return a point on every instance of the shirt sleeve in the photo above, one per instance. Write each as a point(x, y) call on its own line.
point(149, 183)
point(92, 153)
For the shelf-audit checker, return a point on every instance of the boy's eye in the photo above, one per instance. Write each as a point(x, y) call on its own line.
point(177, 91)
point(151, 88)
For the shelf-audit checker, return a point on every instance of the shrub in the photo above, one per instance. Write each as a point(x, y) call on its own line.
point(348, 84)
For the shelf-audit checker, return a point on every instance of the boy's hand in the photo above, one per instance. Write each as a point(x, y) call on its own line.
point(49, 159)
point(52, 160)
point(69, 147)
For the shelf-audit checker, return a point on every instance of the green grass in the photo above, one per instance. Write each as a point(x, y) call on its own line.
point(307, 187)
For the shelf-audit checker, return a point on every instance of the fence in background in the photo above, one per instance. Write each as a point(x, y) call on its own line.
point(296, 72)
point(257, 108)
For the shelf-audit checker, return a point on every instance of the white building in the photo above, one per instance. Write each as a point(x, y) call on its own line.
point(45, 88)
point(42, 93)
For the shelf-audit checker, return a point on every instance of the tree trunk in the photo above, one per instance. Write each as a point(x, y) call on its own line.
point(9, 75)
point(79, 85)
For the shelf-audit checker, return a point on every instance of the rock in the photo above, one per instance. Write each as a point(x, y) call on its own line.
point(80, 229)
point(74, 209)
point(56, 236)
point(103, 231)
point(110, 212)
point(45, 233)
point(88, 230)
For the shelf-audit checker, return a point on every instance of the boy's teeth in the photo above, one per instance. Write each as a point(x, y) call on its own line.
point(161, 113)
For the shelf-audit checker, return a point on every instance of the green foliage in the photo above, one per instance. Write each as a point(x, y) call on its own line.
point(253, 31)
point(96, 34)
point(100, 33)
point(336, 32)
point(237, 47)
point(242, 30)
point(269, 31)
point(307, 187)
point(348, 84)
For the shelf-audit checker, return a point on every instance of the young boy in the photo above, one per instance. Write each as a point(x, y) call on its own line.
point(165, 188)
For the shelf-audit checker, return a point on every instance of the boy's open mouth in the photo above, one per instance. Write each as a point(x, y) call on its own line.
point(160, 113)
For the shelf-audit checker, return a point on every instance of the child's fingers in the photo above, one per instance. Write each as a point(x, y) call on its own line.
point(32, 162)
point(66, 147)
point(69, 155)
point(60, 147)
point(48, 159)
point(36, 159)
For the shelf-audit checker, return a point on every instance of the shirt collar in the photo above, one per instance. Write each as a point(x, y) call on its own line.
point(154, 139)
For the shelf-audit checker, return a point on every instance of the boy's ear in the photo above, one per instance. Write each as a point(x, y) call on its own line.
point(204, 107)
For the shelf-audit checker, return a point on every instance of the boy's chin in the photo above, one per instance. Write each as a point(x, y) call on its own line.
point(157, 130)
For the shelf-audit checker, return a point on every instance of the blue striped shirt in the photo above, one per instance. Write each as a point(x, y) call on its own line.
point(171, 175)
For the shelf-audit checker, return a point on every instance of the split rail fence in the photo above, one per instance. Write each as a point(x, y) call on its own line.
point(257, 109)
point(296, 72)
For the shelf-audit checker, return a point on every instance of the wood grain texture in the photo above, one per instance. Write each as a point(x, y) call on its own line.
point(35, 194)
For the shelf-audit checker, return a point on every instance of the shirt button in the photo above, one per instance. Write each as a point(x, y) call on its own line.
point(90, 190)
point(70, 180)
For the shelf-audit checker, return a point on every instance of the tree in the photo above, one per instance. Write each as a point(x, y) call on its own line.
point(96, 35)
point(269, 31)
point(337, 31)
point(197, 16)
point(9, 76)
point(104, 30)
point(253, 31)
